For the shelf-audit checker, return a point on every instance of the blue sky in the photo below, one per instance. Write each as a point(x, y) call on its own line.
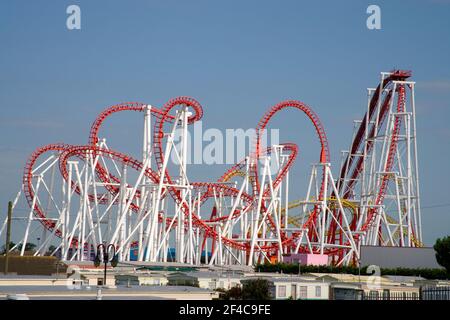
point(237, 58)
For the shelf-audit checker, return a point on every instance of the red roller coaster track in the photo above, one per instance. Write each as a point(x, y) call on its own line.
point(350, 170)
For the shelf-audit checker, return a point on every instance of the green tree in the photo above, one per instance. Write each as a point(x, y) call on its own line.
point(11, 245)
point(28, 247)
point(234, 293)
point(50, 250)
point(442, 248)
point(257, 289)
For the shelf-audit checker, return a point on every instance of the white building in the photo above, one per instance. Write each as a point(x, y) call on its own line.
point(205, 279)
point(298, 288)
point(94, 279)
point(142, 279)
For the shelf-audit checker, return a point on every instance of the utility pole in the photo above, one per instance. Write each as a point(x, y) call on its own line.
point(8, 236)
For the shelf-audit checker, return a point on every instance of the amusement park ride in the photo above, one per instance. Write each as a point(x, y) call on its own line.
point(82, 196)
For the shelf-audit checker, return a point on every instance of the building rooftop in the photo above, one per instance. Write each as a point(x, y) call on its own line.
point(32, 277)
point(213, 274)
point(86, 292)
point(297, 279)
point(403, 278)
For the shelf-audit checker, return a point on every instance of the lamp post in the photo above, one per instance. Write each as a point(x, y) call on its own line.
point(114, 259)
point(8, 236)
point(57, 268)
point(359, 271)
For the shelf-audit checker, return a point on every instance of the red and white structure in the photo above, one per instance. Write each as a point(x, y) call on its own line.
point(80, 196)
point(380, 170)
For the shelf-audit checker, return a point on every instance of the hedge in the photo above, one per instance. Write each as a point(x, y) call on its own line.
point(30, 265)
point(431, 274)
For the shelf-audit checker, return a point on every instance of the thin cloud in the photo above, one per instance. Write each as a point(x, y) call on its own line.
point(435, 85)
point(445, 132)
point(29, 123)
point(440, 1)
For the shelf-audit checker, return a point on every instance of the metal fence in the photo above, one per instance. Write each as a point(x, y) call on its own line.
point(425, 293)
point(435, 293)
point(391, 296)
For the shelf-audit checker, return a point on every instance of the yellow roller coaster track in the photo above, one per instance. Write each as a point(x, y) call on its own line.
point(295, 220)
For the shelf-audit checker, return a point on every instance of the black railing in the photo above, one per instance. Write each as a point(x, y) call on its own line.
point(425, 293)
point(435, 293)
point(391, 296)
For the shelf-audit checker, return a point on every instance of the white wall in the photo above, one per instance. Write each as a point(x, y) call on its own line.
point(310, 290)
point(153, 281)
point(224, 283)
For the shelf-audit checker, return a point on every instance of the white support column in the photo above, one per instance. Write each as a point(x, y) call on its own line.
point(30, 216)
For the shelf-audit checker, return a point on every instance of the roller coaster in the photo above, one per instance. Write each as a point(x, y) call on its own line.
point(82, 195)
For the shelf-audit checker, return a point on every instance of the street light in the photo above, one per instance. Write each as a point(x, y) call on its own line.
point(58, 263)
point(106, 257)
point(359, 271)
